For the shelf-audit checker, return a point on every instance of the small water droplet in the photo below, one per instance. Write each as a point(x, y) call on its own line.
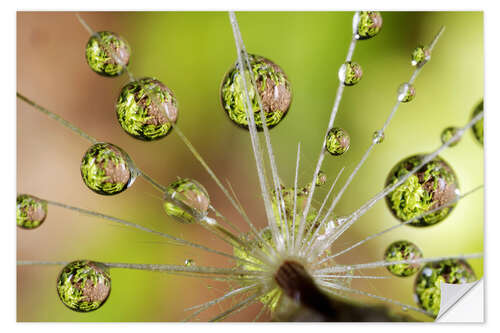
point(186, 200)
point(402, 250)
point(30, 211)
point(448, 133)
point(404, 308)
point(420, 56)
point(321, 178)
point(378, 137)
point(189, 262)
point(406, 92)
point(366, 24)
point(337, 141)
point(107, 169)
point(350, 73)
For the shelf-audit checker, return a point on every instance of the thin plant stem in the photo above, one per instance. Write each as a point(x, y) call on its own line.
point(380, 133)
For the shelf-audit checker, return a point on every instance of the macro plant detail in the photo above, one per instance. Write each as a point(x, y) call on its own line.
point(350, 73)
point(107, 169)
point(84, 285)
point(141, 106)
point(432, 187)
point(273, 91)
point(288, 265)
point(427, 284)
point(420, 56)
point(99, 53)
point(403, 250)
point(30, 211)
point(338, 141)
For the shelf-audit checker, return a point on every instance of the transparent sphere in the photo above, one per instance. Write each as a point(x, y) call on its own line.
point(337, 141)
point(448, 133)
point(403, 250)
point(366, 25)
point(273, 88)
point(378, 137)
point(406, 93)
point(420, 56)
point(146, 109)
point(350, 73)
point(107, 169)
point(107, 53)
point(477, 128)
point(321, 178)
point(84, 285)
point(30, 211)
point(433, 186)
point(186, 200)
point(427, 288)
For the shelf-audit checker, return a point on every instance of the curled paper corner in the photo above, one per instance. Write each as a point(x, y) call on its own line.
point(462, 303)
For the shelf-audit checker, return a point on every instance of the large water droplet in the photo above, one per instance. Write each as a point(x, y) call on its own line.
point(366, 24)
point(107, 169)
point(477, 128)
point(186, 200)
point(107, 53)
point(427, 287)
point(406, 93)
point(403, 250)
point(146, 109)
point(273, 87)
point(84, 285)
point(448, 133)
point(337, 141)
point(350, 73)
point(30, 211)
point(420, 56)
point(433, 186)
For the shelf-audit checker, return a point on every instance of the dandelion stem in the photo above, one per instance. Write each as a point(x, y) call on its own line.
point(238, 307)
point(57, 118)
point(380, 132)
point(338, 98)
point(176, 240)
point(426, 159)
point(295, 192)
point(335, 286)
point(257, 150)
point(399, 225)
point(384, 263)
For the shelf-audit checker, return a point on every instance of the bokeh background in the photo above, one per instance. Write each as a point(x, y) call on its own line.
point(190, 52)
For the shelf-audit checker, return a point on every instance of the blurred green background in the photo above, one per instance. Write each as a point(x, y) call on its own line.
point(190, 52)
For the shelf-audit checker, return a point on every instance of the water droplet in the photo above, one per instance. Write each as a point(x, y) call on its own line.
point(448, 133)
point(30, 211)
point(337, 141)
point(477, 128)
point(433, 186)
point(404, 308)
point(420, 56)
point(84, 285)
point(107, 169)
point(321, 178)
point(189, 262)
point(366, 25)
point(427, 286)
point(403, 250)
point(406, 92)
point(273, 87)
point(378, 137)
point(107, 53)
point(146, 109)
point(186, 200)
point(350, 73)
